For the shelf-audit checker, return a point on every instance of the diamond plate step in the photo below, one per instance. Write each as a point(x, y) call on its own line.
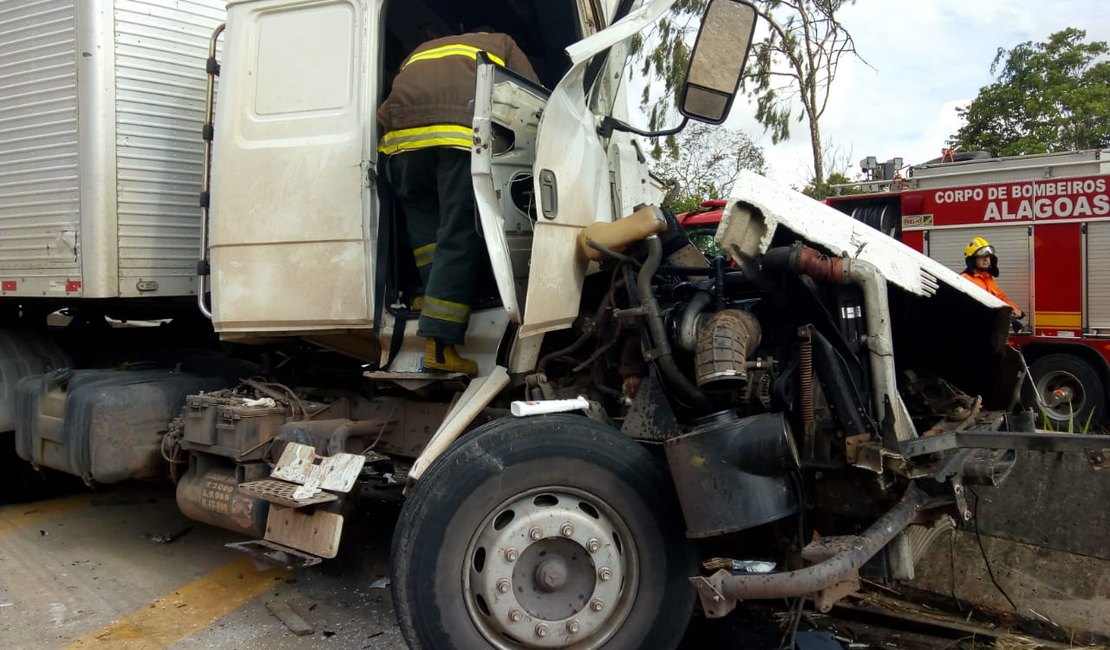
point(281, 493)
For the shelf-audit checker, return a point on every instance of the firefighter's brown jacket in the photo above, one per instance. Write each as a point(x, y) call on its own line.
point(432, 101)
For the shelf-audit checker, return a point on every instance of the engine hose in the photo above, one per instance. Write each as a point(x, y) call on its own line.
point(688, 321)
point(776, 259)
point(688, 393)
point(836, 382)
point(803, 260)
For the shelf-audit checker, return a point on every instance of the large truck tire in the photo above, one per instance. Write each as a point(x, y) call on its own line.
point(1069, 392)
point(547, 532)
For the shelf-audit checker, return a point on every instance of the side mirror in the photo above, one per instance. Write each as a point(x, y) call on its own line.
point(717, 62)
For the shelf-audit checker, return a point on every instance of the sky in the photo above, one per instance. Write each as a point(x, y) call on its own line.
point(927, 57)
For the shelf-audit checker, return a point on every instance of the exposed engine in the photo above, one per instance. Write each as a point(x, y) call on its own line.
point(772, 387)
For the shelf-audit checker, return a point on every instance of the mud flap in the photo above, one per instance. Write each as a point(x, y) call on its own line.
point(315, 532)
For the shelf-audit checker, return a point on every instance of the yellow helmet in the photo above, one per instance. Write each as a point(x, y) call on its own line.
point(976, 247)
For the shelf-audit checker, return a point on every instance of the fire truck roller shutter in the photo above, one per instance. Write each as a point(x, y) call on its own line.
point(1012, 244)
point(1098, 275)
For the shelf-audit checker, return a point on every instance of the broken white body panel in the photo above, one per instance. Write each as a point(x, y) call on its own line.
point(476, 397)
point(749, 234)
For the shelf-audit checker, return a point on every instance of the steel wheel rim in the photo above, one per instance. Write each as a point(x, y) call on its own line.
point(1055, 380)
point(516, 545)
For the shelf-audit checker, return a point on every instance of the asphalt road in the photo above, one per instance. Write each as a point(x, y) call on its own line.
point(93, 570)
point(122, 568)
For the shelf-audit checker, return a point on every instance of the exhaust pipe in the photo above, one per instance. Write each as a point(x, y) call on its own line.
point(720, 591)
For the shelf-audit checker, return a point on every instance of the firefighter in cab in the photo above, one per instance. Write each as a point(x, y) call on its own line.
point(982, 269)
point(427, 125)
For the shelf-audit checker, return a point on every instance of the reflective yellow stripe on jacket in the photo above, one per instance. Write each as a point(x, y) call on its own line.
point(457, 49)
point(424, 255)
point(437, 135)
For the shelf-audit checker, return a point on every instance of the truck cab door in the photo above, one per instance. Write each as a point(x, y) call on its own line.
point(572, 180)
point(507, 111)
point(290, 204)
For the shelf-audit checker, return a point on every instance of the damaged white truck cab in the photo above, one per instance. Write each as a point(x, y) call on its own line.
point(737, 407)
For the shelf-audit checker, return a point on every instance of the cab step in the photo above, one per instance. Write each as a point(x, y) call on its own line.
point(417, 381)
point(385, 375)
point(281, 493)
point(301, 465)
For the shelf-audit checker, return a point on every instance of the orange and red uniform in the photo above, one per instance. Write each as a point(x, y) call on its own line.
point(985, 280)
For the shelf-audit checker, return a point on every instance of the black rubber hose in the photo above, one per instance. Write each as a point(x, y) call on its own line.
point(688, 393)
point(836, 382)
point(777, 259)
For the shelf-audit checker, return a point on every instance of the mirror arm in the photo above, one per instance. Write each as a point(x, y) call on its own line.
point(610, 124)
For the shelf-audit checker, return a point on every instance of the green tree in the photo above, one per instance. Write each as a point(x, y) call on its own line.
point(795, 64)
point(823, 191)
point(709, 160)
point(1050, 96)
point(789, 73)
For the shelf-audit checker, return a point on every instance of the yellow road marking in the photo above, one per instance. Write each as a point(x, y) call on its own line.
point(187, 610)
point(25, 515)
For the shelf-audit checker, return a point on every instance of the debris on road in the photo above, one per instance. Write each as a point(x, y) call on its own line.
point(291, 619)
point(171, 537)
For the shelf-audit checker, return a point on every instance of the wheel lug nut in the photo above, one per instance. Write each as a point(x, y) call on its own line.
point(597, 605)
point(604, 573)
point(511, 554)
point(516, 615)
point(541, 630)
point(535, 532)
point(573, 626)
point(593, 545)
point(503, 586)
point(567, 530)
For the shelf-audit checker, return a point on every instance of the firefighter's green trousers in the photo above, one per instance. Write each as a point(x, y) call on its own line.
point(436, 197)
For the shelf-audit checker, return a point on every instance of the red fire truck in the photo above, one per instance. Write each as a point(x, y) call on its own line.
point(1048, 217)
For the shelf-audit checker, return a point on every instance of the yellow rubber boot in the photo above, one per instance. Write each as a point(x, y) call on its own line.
point(443, 357)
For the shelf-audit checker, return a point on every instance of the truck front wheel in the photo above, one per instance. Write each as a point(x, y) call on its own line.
point(1069, 392)
point(546, 532)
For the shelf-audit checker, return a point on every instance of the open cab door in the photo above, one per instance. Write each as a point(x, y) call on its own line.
point(507, 110)
point(576, 180)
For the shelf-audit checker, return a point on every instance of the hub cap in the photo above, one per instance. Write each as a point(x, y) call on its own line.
point(1062, 394)
point(548, 569)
